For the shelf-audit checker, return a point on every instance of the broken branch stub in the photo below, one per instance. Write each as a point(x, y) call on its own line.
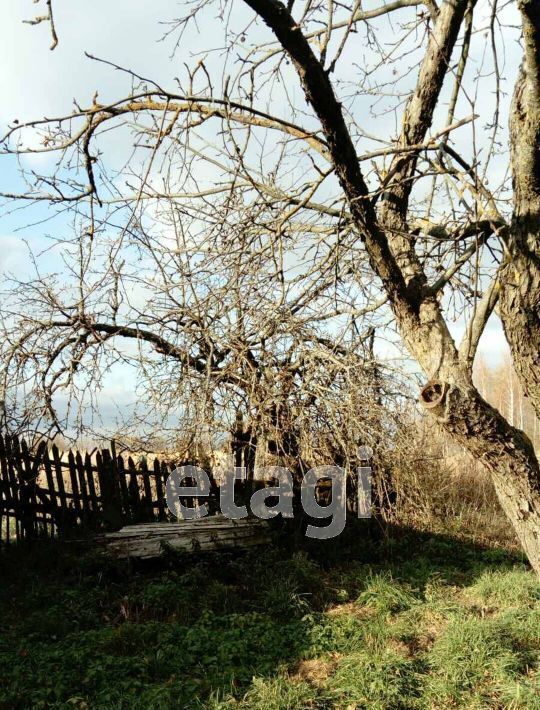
point(433, 394)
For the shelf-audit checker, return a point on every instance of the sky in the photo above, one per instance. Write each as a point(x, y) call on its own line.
point(36, 82)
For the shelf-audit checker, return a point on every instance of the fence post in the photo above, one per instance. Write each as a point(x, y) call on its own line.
point(27, 500)
point(109, 490)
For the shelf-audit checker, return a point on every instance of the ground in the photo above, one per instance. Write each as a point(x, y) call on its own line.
point(409, 621)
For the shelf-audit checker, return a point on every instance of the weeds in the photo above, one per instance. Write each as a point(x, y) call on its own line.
point(449, 625)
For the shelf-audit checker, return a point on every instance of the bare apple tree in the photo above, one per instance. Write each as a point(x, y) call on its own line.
point(257, 235)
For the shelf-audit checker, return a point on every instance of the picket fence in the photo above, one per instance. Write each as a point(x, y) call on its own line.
point(46, 493)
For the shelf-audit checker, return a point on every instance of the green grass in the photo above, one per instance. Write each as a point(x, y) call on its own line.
point(416, 622)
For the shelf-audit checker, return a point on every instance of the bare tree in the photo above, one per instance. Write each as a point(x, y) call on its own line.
point(268, 217)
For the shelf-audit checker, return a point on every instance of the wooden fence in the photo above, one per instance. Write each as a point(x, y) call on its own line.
point(46, 493)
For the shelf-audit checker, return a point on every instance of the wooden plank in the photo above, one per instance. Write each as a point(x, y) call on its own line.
point(134, 493)
point(89, 470)
point(12, 476)
point(25, 499)
point(50, 525)
point(147, 498)
point(159, 470)
point(109, 494)
point(23, 467)
point(36, 460)
point(59, 477)
point(49, 477)
point(124, 490)
point(86, 508)
point(32, 464)
point(26, 462)
point(66, 517)
point(74, 484)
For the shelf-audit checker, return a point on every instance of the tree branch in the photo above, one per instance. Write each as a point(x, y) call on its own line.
point(418, 116)
point(475, 328)
point(320, 95)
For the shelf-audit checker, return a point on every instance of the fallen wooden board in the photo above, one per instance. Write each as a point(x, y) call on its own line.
point(212, 533)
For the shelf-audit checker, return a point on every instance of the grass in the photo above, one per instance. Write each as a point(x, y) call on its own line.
point(415, 622)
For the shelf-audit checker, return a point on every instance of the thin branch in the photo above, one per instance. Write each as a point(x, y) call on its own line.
point(477, 323)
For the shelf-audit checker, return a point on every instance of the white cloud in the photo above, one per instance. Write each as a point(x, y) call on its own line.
point(38, 81)
point(13, 253)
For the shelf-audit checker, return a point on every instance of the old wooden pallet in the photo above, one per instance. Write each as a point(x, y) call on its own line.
point(212, 533)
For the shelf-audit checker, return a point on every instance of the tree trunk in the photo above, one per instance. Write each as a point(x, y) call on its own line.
point(520, 313)
point(520, 278)
point(470, 420)
point(506, 451)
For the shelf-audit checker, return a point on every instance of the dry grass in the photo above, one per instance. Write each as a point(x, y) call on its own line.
point(444, 490)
